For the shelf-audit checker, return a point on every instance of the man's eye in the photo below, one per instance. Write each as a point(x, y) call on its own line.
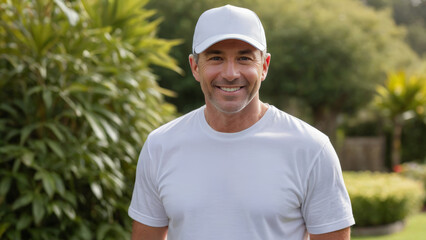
point(244, 58)
point(215, 58)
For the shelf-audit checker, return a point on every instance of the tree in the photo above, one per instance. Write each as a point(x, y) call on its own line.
point(408, 13)
point(329, 54)
point(401, 95)
point(78, 99)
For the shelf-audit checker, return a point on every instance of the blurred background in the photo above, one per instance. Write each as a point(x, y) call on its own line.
point(84, 81)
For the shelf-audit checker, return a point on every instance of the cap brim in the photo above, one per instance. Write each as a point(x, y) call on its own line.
point(210, 41)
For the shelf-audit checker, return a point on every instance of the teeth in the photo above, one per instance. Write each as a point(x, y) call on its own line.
point(230, 89)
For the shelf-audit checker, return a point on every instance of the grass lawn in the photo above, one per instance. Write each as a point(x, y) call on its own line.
point(414, 229)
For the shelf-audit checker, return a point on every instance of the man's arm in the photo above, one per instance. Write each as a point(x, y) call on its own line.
point(343, 234)
point(143, 232)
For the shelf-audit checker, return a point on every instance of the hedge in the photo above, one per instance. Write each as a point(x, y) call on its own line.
point(382, 198)
point(415, 171)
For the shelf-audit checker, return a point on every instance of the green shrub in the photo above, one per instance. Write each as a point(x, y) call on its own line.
point(382, 198)
point(77, 100)
point(415, 171)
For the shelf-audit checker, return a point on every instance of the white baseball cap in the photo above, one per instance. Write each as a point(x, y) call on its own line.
point(228, 22)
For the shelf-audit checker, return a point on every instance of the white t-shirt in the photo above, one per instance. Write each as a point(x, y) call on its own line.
point(278, 179)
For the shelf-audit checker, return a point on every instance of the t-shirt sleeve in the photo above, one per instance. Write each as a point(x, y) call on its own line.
point(327, 206)
point(146, 206)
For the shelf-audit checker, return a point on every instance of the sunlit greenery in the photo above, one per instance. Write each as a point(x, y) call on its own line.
point(417, 172)
point(77, 100)
point(79, 94)
point(329, 54)
point(382, 198)
point(401, 95)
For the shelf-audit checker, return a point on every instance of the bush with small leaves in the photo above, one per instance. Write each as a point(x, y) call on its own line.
point(382, 198)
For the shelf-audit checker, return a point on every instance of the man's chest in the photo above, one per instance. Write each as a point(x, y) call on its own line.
point(228, 182)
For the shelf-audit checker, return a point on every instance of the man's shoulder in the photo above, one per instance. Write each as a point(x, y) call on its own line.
point(178, 125)
point(297, 127)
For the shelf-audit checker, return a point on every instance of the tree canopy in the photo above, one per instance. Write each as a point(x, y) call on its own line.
point(408, 13)
point(330, 54)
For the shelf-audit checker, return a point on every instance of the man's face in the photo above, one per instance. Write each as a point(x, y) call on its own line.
point(230, 73)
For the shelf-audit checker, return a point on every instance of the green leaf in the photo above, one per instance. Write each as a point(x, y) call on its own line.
point(41, 69)
point(76, 107)
point(23, 222)
point(28, 159)
point(69, 211)
point(27, 130)
point(77, 87)
point(59, 184)
point(102, 231)
point(7, 108)
point(97, 160)
point(85, 232)
point(22, 201)
point(129, 149)
point(110, 115)
point(109, 162)
point(55, 147)
point(56, 210)
point(47, 98)
point(16, 166)
point(38, 209)
point(111, 131)
point(90, 9)
point(96, 127)
point(56, 131)
point(70, 13)
point(35, 89)
point(39, 146)
point(5, 184)
point(71, 198)
point(11, 134)
point(48, 183)
point(96, 189)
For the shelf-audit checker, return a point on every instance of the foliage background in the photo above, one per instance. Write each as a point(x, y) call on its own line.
point(321, 51)
point(79, 94)
point(408, 13)
point(77, 100)
point(382, 198)
point(327, 55)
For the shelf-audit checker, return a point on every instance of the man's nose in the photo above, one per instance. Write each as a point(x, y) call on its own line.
point(231, 71)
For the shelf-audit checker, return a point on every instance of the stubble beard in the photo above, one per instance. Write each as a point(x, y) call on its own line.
point(234, 109)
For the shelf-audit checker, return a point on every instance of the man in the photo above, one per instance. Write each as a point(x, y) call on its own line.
point(237, 168)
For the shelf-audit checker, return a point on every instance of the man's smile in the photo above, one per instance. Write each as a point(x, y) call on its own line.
point(230, 89)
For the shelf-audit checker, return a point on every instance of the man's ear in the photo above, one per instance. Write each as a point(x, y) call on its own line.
point(265, 66)
point(194, 67)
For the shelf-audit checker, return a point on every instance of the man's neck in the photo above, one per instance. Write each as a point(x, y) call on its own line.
point(235, 122)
